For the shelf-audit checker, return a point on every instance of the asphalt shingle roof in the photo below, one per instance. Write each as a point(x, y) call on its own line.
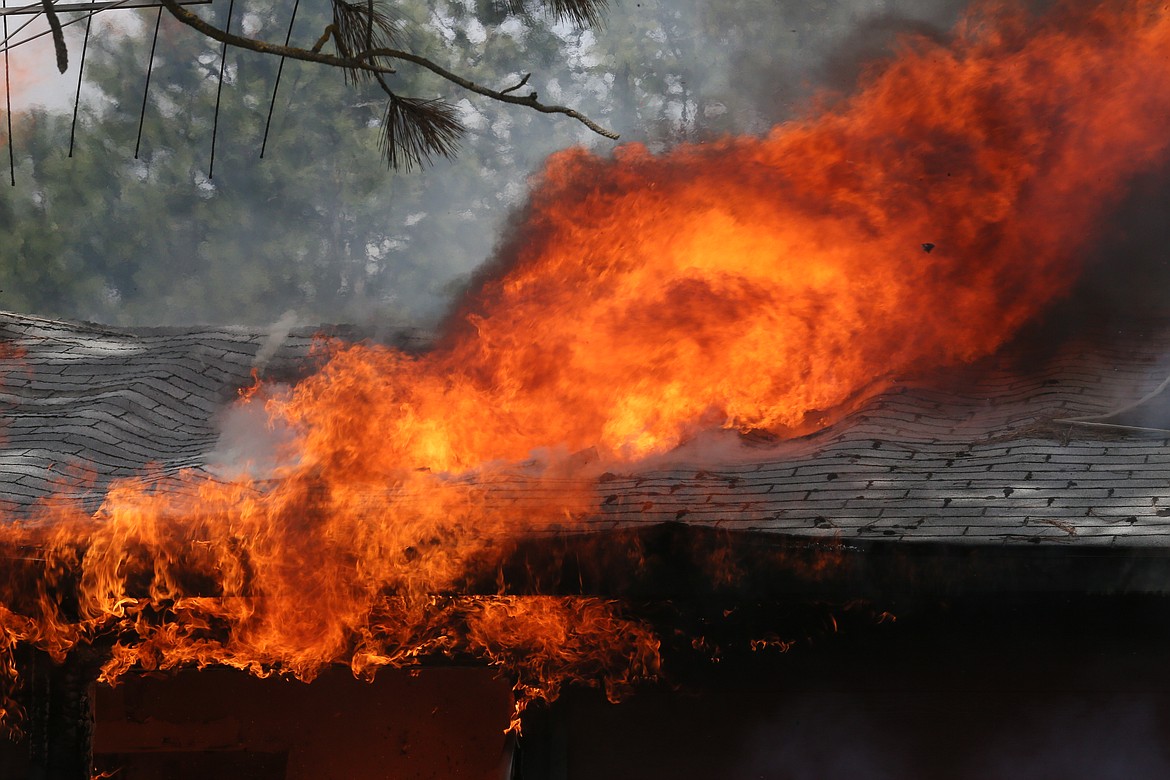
point(82, 404)
point(978, 455)
point(974, 456)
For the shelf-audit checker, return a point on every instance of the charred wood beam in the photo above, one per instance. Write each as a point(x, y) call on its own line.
point(58, 700)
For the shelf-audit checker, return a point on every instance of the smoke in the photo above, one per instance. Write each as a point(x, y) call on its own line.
point(1127, 270)
point(795, 743)
point(375, 417)
point(361, 244)
point(727, 448)
point(316, 228)
point(34, 78)
point(916, 734)
point(251, 445)
point(1079, 738)
point(272, 342)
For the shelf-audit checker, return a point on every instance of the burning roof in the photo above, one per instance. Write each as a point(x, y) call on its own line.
point(977, 456)
point(982, 454)
point(829, 272)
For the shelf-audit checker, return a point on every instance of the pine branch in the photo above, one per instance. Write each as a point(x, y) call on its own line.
point(265, 47)
point(361, 26)
point(583, 13)
point(529, 101)
point(416, 129)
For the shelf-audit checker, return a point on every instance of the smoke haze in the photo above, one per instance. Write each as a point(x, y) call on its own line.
point(363, 244)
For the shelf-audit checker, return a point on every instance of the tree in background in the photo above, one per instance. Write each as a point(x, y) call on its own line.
point(376, 43)
point(314, 226)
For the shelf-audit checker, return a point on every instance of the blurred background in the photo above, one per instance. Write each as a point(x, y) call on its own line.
point(319, 227)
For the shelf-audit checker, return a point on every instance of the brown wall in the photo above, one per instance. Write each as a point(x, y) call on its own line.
point(436, 723)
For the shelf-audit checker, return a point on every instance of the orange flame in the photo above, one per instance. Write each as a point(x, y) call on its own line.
point(756, 282)
point(749, 283)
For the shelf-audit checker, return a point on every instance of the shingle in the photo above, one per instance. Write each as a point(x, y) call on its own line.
point(922, 463)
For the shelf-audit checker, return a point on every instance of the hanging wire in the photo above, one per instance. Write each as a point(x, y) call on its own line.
point(279, 71)
point(219, 90)
point(80, 70)
point(33, 17)
point(8, 100)
point(29, 21)
point(146, 89)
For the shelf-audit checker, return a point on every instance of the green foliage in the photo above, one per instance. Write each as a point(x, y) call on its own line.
point(318, 225)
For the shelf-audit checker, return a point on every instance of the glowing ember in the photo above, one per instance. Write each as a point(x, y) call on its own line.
point(749, 283)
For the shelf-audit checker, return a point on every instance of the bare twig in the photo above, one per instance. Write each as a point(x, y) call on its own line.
point(517, 86)
point(324, 39)
point(529, 101)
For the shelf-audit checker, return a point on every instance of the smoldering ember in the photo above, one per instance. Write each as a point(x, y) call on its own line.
point(839, 451)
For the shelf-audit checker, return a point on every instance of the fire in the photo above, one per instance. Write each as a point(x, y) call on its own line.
point(747, 283)
point(757, 283)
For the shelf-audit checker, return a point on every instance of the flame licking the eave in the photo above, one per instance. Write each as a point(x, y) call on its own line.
point(748, 283)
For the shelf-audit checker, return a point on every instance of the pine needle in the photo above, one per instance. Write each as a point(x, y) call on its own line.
point(360, 26)
point(415, 130)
